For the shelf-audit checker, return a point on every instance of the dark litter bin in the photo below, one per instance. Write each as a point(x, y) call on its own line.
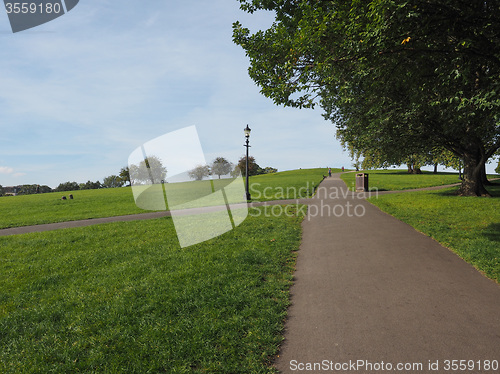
point(362, 182)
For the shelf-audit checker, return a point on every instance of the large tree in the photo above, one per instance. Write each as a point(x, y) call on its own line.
point(397, 78)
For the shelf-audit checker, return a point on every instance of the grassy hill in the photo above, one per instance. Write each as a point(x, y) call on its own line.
point(49, 208)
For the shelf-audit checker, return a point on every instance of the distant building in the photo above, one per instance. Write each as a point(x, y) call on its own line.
point(12, 190)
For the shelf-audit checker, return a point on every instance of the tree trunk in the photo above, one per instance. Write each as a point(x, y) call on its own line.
point(472, 183)
point(435, 168)
point(413, 169)
point(484, 178)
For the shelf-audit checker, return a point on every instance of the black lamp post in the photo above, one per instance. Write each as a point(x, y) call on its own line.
point(247, 136)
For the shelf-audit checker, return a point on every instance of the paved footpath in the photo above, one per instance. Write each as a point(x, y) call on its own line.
point(373, 289)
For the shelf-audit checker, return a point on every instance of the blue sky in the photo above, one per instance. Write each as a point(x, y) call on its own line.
point(80, 93)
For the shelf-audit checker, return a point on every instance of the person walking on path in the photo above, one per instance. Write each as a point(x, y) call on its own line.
point(330, 172)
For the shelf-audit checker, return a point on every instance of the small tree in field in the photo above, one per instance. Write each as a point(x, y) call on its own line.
point(269, 170)
point(112, 181)
point(125, 175)
point(67, 186)
point(89, 185)
point(221, 166)
point(199, 172)
point(253, 167)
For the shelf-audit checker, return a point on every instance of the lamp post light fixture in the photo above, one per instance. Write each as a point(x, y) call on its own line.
point(247, 136)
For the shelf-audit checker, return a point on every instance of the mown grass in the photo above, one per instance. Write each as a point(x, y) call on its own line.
point(49, 208)
point(293, 184)
point(395, 180)
point(470, 226)
point(125, 298)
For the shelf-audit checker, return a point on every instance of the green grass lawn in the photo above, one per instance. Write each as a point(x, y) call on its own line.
point(392, 180)
point(125, 298)
point(49, 208)
point(294, 184)
point(470, 226)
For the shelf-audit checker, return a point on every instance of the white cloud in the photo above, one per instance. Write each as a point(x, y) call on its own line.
point(6, 170)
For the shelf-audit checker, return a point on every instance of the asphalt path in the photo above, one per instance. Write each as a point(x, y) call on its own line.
point(372, 295)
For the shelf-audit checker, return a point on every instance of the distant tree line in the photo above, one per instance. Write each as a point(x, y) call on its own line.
point(111, 181)
point(152, 171)
point(220, 166)
point(25, 189)
point(149, 170)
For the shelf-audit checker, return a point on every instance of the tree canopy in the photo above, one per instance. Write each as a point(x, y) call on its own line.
point(199, 172)
point(112, 181)
point(221, 166)
point(148, 171)
point(253, 167)
point(397, 78)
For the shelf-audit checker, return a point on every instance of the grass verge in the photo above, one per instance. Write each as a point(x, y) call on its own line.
point(470, 226)
point(395, 180)
point(124, 297)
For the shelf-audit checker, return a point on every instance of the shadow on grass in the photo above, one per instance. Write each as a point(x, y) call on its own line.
point(405, 172)
point(493, 189)
point(452, 191)
point(492, 232)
